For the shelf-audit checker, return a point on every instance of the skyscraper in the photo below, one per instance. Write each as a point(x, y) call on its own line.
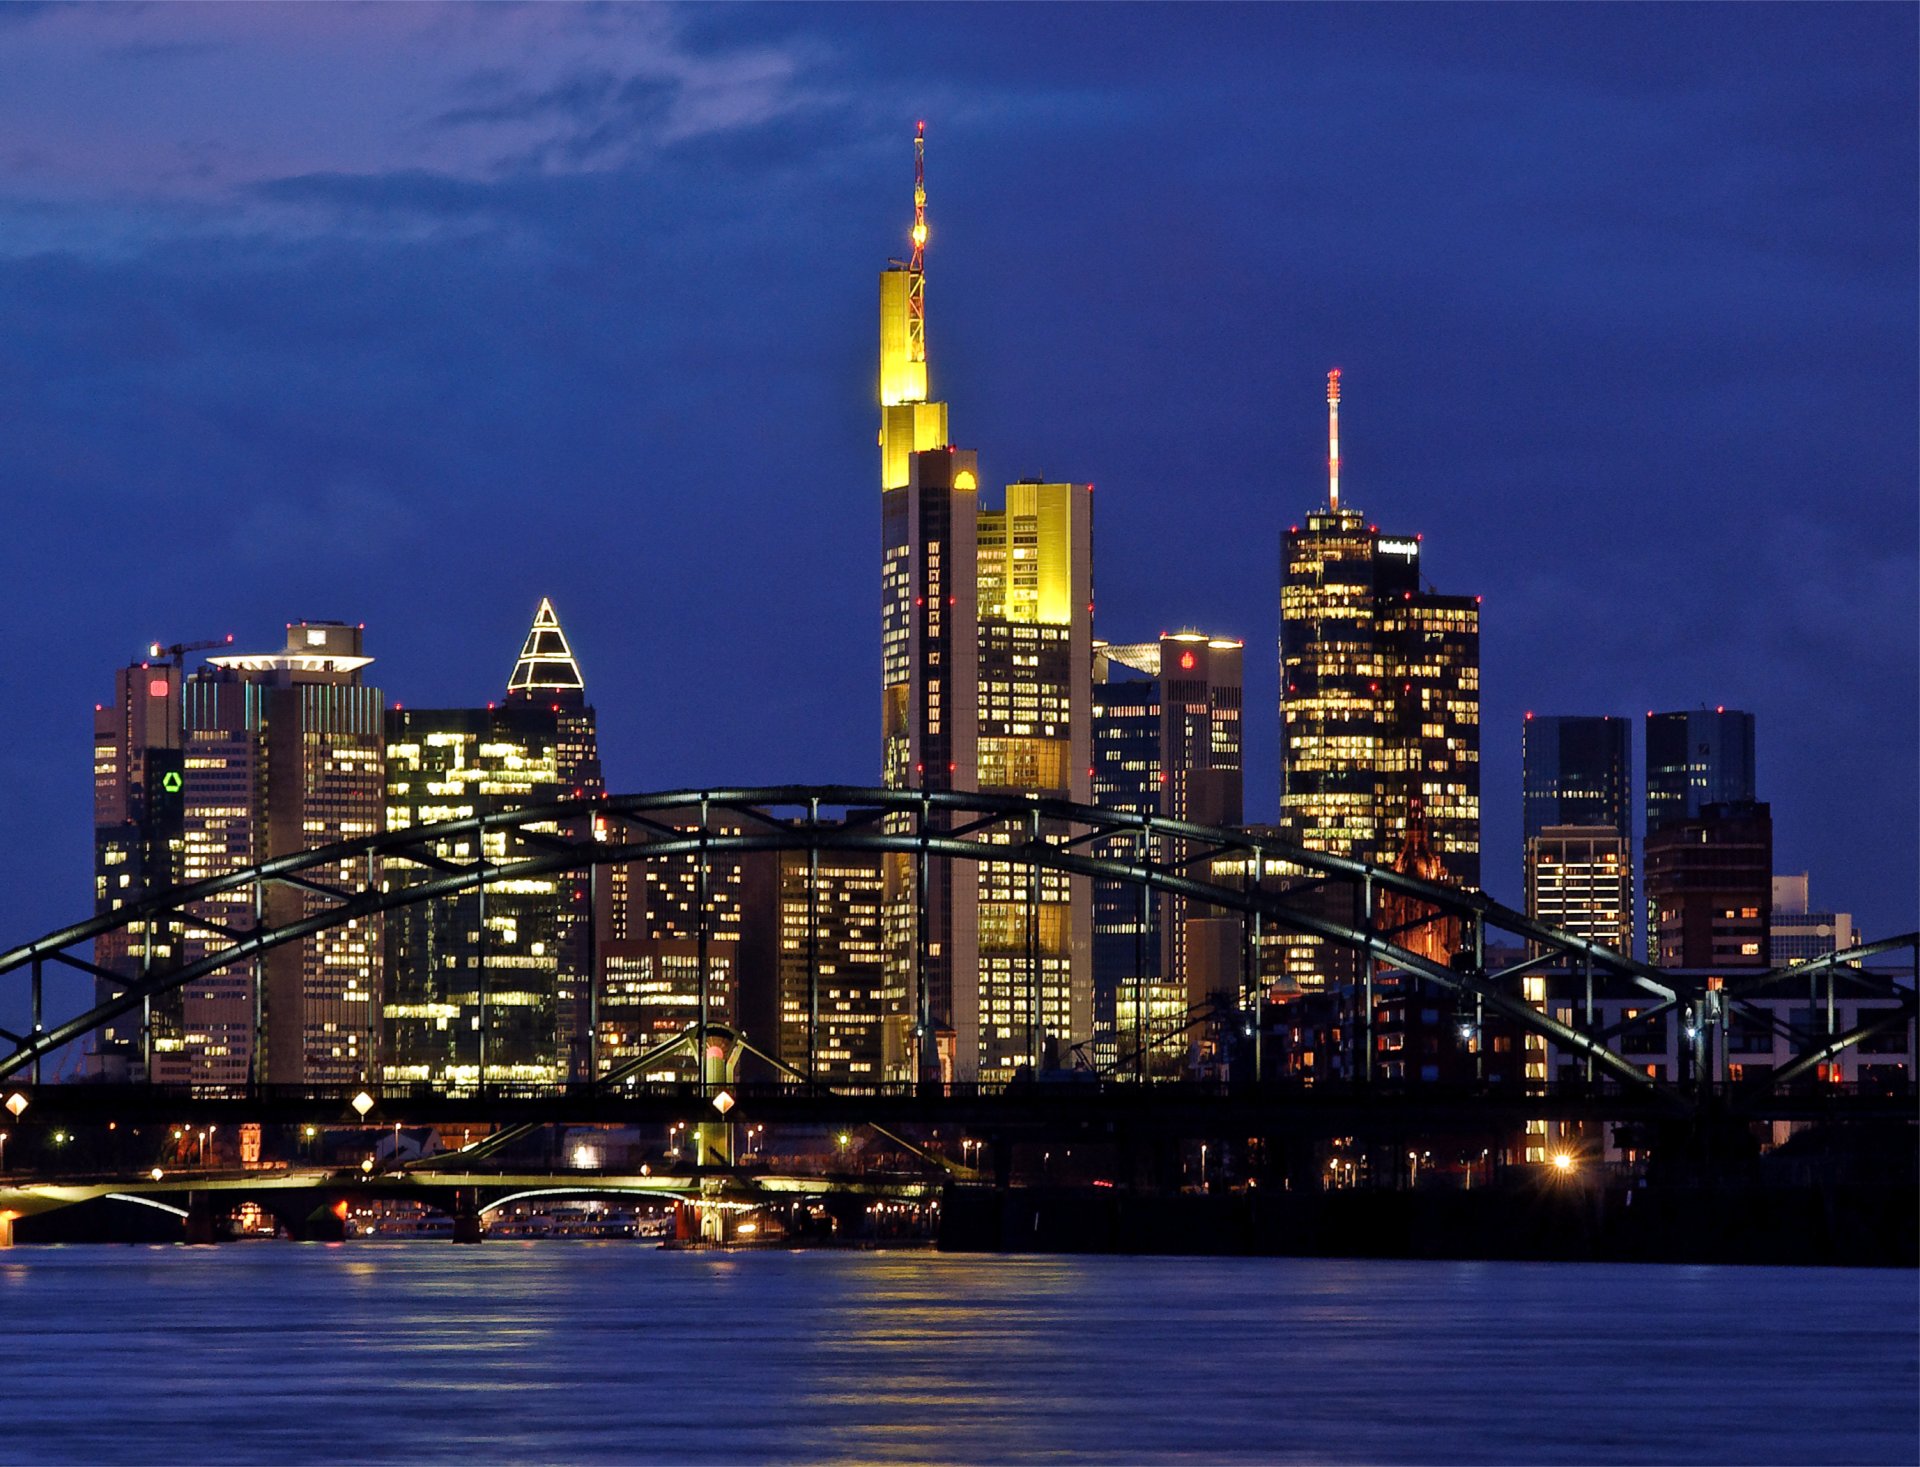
point(282, 751)
point(1577, 799)
point(1166, 741)
point(492, 987)
point(1695, 759)
point(1580, 879)
point(138, 839)
point(1710, 888)
point(986, 644)
point(1380, 691)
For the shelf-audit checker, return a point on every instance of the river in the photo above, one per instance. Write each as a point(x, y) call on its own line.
point(618, 1352)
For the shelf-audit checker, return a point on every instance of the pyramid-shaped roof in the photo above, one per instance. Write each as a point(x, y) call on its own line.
point(546, 662)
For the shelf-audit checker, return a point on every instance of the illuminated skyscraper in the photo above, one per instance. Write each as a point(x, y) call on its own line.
point(1577, 797)
point(282, 751)
point(817, 990)
point(492, 987)
point(1580, 879)
point(986, 643)
point(1166, 741)
point(138, 837)
point(1380, 692)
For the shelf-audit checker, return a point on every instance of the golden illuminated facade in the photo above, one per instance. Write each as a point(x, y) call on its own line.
point(1380, 697)
point(986, 639)
point(1580, 880)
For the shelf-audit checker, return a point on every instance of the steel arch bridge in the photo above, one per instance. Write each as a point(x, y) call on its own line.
point(1149, 852)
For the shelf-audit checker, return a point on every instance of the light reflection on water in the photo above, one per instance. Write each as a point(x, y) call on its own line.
point(570, 1352)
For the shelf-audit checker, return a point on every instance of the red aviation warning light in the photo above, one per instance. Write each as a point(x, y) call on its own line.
point(1333, 440)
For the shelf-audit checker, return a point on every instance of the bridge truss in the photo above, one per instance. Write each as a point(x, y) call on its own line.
point(1283, 889)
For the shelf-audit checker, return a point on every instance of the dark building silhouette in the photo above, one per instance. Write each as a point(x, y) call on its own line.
point(1710, 888)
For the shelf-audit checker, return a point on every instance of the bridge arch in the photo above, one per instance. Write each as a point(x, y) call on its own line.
point(1051, 834)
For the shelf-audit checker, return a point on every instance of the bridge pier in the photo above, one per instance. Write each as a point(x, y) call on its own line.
point(468, 1226)
point(202, 1222)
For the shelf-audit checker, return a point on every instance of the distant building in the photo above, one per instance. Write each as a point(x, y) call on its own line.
point(492, 987)
point(1166, 741)
point(1798, 933)
point(1696, 758)
point(1580, 880)
point(657, 919)
point(1710, 888)
point(1576, 771)
point(138, 840)
point(1380, 692)
point(817, 991)
point(283, 752)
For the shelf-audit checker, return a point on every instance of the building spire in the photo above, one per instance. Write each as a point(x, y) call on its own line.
point(546, 668)
point(1333, 440)
point(916, 267)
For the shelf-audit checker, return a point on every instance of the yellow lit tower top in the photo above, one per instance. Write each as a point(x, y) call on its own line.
point(909, 423)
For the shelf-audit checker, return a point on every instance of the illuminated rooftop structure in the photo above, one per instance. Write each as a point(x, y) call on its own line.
point(547, 668)
point(909, 421)
point(316, 651)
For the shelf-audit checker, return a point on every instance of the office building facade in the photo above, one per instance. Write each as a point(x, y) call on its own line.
point(1380, 693)
point(1167, 740)
point(1710, 888)
point(491, 987)
point(986, 645)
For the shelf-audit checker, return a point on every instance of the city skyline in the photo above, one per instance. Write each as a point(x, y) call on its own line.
point(361, 545)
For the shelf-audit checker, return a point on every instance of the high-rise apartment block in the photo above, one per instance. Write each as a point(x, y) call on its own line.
point(1166, 741)
point(1380, 692)
point(492, 987)
point(1710, 888)
point(986, 650)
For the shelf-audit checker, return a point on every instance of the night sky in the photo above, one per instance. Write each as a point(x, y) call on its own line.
point(409, 316)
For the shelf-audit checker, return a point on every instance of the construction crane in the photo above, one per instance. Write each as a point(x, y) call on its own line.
point(177, 652)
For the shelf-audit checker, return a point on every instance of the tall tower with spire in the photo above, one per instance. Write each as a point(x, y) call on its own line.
point(1379, 690)
point(493, 987)
point(910, 422)
point(986, 655)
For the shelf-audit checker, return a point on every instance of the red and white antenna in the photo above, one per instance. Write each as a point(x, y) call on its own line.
point(1333, 440)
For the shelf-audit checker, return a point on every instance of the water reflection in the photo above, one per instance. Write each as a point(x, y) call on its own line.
point(617, 1352)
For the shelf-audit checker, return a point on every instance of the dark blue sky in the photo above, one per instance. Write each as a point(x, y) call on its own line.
point(409, 316)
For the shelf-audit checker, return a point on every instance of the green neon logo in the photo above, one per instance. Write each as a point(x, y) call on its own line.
point(171, 781)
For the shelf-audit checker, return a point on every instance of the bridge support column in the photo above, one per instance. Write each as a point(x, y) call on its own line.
point(468, 1227)
point(202, 1224)
point(6, 1230)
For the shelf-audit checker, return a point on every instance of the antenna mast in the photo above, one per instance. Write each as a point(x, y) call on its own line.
point(916, 268)
point(1333, 440)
